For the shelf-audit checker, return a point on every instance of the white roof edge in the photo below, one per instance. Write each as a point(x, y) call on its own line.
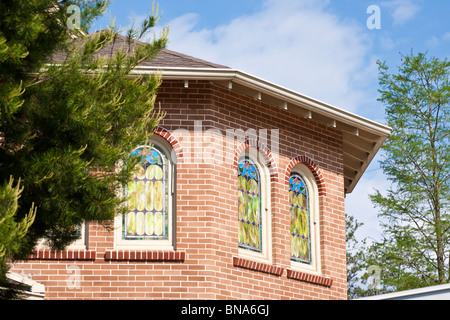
point(407, 293)
point(357, 124)
point(37, 290)
point(271, 88)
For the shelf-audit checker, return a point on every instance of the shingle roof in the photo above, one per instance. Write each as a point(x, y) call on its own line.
point(165, 58)
point(168, 58)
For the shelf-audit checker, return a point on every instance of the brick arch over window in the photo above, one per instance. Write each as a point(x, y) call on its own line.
point(269, 161)
point(176, 145)
point(311, 165)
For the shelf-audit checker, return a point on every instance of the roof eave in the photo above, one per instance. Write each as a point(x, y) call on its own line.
point(362, 138)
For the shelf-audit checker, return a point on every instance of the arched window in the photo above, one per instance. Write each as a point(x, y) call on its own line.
point(149, 219)
point(254, 218)
point(147, 215)
point(249, 204)
point(304, 220)
point(299, 219)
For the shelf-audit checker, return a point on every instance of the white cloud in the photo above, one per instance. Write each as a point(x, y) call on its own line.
point(359, 205)
point(299, 45)
point(446, 36)
point(294, 43)
point(403, 11)
point(435, 41)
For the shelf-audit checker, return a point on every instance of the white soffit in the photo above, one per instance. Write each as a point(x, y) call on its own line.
point(362, 138)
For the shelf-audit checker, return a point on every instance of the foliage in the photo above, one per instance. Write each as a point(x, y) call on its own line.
point(67, 129)
point(355, 253)
point(12, 233)
point(414, 212)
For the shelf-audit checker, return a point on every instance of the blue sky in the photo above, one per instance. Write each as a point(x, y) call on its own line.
point(321, 48)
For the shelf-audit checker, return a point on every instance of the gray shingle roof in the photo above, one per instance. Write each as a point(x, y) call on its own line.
point(164, 58)
point(168, 58)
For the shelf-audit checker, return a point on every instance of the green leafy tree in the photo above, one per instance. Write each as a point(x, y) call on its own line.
point(67, 129)
point(414, 212)
point(355, 255)
point(363, 276)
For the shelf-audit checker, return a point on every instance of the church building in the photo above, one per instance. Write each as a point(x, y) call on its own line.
point(239, 195)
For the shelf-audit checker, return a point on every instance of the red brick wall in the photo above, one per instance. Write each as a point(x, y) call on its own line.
point(206, 264)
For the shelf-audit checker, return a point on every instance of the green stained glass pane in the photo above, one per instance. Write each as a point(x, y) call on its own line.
point(257, 237)
point(249, 217)
point(140, 193)
point(140, 223)
point(299, 212)
point(149, 196)
point(246, 234)
point(249, 206)
point(131, 203)
point(256, 210)
point(158, 172)
point(159, 224)
point(149, 223)
point(159, 195)
point(241, 231)
point(131, 223)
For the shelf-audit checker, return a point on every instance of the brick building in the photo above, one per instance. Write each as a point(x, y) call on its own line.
point(241, 198)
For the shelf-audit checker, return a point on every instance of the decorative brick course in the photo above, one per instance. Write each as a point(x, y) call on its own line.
point(257, 266)
point(71, 254)
point(307, 277)
point(143, 255)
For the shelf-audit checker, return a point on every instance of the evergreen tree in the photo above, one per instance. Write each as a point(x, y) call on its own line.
point(67, 129)
point(415, 210)
point(11, 233)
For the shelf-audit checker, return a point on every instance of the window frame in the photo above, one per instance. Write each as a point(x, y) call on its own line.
point(154, 244)
point(265, 256)
point(313, 198)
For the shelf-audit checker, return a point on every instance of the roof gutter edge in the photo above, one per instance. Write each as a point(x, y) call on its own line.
point(270, 88)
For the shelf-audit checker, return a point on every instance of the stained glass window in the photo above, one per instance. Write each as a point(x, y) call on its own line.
point(147, 216)
point(300, 219)
point(249, 206)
